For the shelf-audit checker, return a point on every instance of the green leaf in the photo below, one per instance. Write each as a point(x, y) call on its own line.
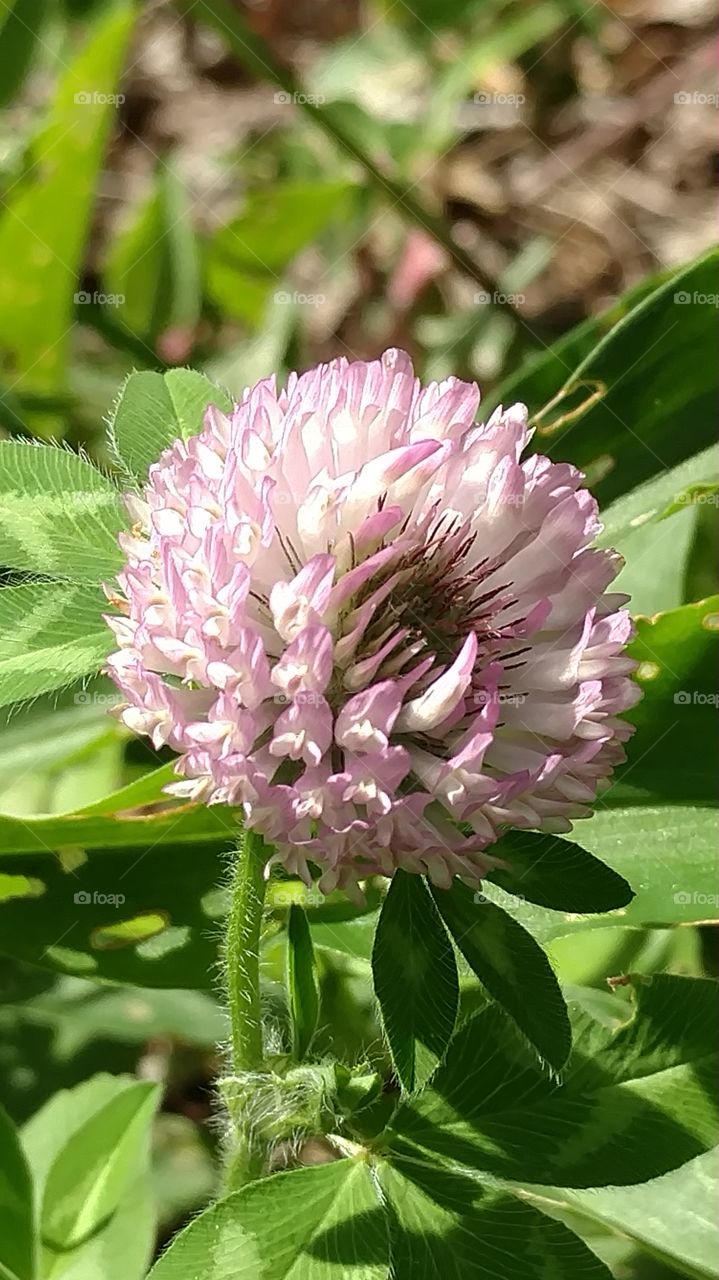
point(247, 257)
point(673, 1218)
point(154, 263)
point(17, 1227)
point(20, 31)
point(445, 1224)
point(668, 855)
point(672, 491)
point(81, 1013)
point(122, 1249)
point(645, 417)
point(137, 269)
point(657, 558)
point(320, 908)
point(146, 915)
point(51, 633)
point(512, 967)
point(144, 791)
point(351, 937)
point(171, 862)
point(125, 1247)
point(52, 758)
point(154, 410)
point(302, 982)
point(657, 552)
point(538, 378)
point(557, 873)
point(92, 1171)
point(321, 1223)
point(633, 1103)
point(675, 752)
point(102, 825)
point(44, 229)
point(59, 515)
point(415, 979)
point(64, 1114)
point(49, 737)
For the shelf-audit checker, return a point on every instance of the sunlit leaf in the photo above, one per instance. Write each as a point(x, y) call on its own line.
point(633, 1103)
point(324, 1223)
point(59, 515)
point(45, 223)
point(17, 1217)
point(88, 1177)
point(445, 1224)
point(51, 633)
point(645, 371)
point(153, 410)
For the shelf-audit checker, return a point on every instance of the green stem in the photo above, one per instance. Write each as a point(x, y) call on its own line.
point(242, 955)
point(258, 58)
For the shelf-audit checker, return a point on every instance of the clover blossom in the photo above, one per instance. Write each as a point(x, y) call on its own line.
point(363, 619)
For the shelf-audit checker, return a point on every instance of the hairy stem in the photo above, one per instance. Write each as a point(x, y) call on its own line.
point(246, 1154)
point(242, 955)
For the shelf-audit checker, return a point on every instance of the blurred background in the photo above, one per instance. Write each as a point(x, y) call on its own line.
point(164, 203)
point(467, 179)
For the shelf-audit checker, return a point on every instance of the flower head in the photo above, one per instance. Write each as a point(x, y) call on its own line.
point(363, 619)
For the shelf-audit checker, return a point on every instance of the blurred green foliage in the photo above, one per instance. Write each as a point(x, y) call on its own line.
point(93, 991)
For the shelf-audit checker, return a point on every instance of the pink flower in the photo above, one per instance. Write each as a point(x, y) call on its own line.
point(360, 617)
